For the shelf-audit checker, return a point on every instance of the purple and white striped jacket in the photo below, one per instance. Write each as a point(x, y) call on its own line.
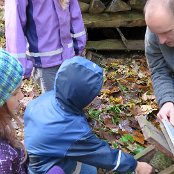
point(10, 159)
point(41, 31)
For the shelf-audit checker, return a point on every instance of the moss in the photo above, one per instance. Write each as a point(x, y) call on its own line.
point(160, 161)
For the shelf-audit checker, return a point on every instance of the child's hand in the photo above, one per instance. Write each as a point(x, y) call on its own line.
point(143, 168)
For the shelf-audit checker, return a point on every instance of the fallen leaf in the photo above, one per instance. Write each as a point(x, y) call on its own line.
point(146, 97)
point(138, 137)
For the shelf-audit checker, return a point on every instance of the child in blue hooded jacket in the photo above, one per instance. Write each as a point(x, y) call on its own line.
point(57, 132)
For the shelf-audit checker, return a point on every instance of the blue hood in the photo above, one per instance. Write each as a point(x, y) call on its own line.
point(78, 82)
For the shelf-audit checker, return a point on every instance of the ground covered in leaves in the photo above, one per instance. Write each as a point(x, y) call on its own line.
point(126, 94)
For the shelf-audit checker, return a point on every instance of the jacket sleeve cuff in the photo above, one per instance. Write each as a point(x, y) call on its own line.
point(165, 99)
point(27, 66)
point(125, 163)
point(28, 69)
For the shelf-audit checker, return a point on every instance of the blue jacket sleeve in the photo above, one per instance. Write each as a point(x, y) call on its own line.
point(93, 151)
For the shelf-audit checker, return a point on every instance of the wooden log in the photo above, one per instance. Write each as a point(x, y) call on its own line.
point(146, 155)
point(154, 136)
point(137, 4)
point(114, 44)
point(117, 5)
point(96, 7)
point(120, 19)
point(84, 7)
point(169, 170)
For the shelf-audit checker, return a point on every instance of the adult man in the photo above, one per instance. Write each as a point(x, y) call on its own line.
point(159, 49)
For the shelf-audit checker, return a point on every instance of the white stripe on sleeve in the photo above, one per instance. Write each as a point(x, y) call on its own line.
point(118, 160)
point(78, 34)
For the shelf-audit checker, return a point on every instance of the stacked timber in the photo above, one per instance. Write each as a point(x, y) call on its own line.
point(114, 14)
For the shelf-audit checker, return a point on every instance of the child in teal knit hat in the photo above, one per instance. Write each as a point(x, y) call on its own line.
point(12, 151)
point(12, 154)
point(10, 76)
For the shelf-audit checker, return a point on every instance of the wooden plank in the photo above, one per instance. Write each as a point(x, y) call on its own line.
point(154, 136)
point(147, 154)
point(114, 44)
point(168, 131)
point(124, 40)
point(169, 170)
point(120, 19)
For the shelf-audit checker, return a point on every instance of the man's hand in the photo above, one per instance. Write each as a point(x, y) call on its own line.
point(167, 112)
point(143, 168)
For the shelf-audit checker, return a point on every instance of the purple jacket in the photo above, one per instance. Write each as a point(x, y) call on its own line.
point(10, 159)
point(41, 34)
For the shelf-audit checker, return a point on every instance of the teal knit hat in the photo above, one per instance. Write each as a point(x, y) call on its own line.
point(11, 73)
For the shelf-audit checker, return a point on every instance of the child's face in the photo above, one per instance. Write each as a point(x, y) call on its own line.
point(14, 101)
